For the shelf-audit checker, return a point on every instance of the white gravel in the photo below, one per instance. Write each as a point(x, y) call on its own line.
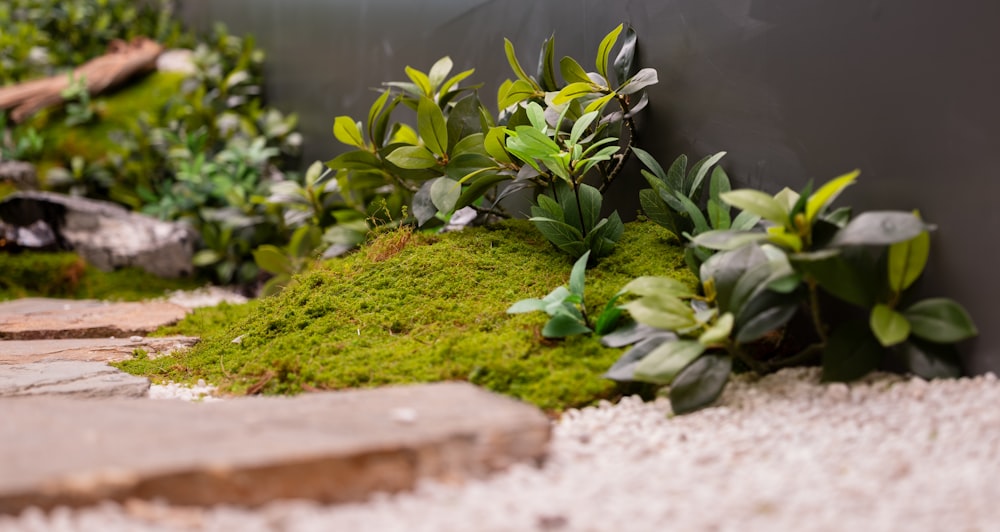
point(207, 296)
point(185, 392)
point(781, 453)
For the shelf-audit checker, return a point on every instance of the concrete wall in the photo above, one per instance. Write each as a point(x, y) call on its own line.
point(905, 90)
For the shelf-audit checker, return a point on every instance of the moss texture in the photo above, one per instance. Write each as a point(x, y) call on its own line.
point(421, 308)
point(66, 275)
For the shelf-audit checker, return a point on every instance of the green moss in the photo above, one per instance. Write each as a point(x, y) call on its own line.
point(431, 309)
point(208, 320)
point(66, 275)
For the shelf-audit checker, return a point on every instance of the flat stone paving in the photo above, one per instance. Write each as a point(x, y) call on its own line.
point(329, 447)
point(42, 318)
point(61, 446)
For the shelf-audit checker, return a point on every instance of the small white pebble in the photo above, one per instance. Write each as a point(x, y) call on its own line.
point(238, 339)
point(403, 415)
point(135, 339)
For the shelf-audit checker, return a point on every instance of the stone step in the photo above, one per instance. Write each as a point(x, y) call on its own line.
point(329, 447)
point(43, 318)
point(89, 349)
point(70, 378)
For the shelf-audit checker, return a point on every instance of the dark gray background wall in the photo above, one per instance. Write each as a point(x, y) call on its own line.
point(905, 90)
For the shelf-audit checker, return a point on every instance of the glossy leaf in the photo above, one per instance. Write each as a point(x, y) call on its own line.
point(657, 210)
point(609, 317)
point(850, 276)
point(879, 228)
point(563, 325)
point(432, 127)
point(647, 159)
point(527, 305)
point(662, 312)
point(494, 143)
point(576, 276)
point(572, 72)
point(888, 326)
point(940, 320)
point(422, 206)
point(373, 113)
point(828, 193)
point(455, 80)
point(463, 121)
point(719, 332)
point(927, 360)
point(421, 81)
point(412, 158)
point(650, 286)
point(355, 160)
point(439, 71)
point(580, 126)
point(346, 130)
point(604, 51)
point(758, 203)
point(851, 353)
point(271, 259)
point(445, 193)
point(518, 91)
point(563, 236)
point(726, 240)
point(907, 260)
point(663, 364)
point(698, 172)
point(598, 104)
point(515, 65)
point(625, 60)
point(624, 368)
point(573, 91)
point(700, 383)
point(644, 78)
point(546, 65)
point(767, 312)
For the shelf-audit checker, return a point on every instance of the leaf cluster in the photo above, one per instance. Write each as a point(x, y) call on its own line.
point(809, 284)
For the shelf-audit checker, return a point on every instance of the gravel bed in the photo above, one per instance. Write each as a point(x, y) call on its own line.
point(200, 392)
point(779, 453)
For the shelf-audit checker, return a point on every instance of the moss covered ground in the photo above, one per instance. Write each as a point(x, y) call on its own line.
point(421, 308)
point(66, 275)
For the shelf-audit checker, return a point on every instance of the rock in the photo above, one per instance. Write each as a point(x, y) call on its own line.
point(177, 60)
point(329, 447)
point(20, 173)
point(69, 377)
point(47, 319)
point(105, 234)
point(89, 349)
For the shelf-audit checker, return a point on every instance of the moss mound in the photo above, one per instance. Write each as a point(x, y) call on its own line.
point(421, 308)
point(67, 275)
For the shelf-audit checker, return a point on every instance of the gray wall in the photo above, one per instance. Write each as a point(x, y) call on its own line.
point(905, 90)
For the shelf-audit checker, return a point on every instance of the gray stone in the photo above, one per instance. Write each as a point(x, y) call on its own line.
point(20, 173)
point(105, 234)
point(43, 318)
point(70, 378)
point(90, 349)
point(329, 447)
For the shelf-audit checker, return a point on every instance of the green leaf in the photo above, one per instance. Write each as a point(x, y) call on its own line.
point(469, 145)
point(768, 311)
point(373, 114)
point(647, 159)
point(516, 66)
point(662, 311)
point(827, 193)
point(940, 320)
point(657, 210)
point(851, 353)
point(576, 276)
point(271, 259)
point(549, 208)
point(445, 193)
point(432, 127)
point(697, 218)
point(598, 104)
point(700, 383)
point(412, 158)
point(609, 317)
point(546, 65)
point(439, 71)
point(572, 72)
point(527, 305)
point(698, 173)
point(758, 203)
point(650, 286)
point(455, 80)
point(666, 361)
point(604, 51)
point(744, 221)
point(719, 332)
point(580, 126)
point(563, 236)
point(850, 275)
point(907, 260)
point(346, 130)
point(676, 174)
point(590, 207)
point(206, 257)
point(463, 121)
point(573, 91)
point(563, 325)
point(494, 143)
point(879, 228)
point(888, 326)
point(927, 360)
point(421, 80)
point(726, 239)
point(355, 160)
point(718, 184)
point(518, 91)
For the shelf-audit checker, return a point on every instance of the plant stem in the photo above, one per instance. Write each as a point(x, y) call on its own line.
point(754, 365)
point(802, 356)
point(815, 312)
point(630, 126)
point(579, 209)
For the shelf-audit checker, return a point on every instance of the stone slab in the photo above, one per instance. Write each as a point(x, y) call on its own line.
point(42, 318)
point(329, 447)
point(69, 378)
point(89, 349)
